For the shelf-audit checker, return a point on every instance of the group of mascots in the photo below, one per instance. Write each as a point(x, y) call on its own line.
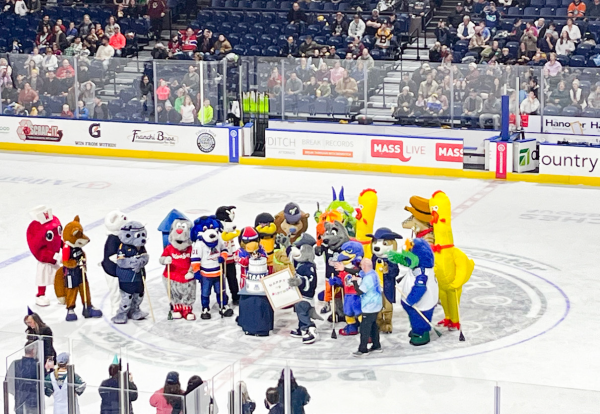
point(424, 271)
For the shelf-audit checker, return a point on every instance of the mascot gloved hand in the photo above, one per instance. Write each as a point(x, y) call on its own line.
point(131, 260)
point(71, 279)
point(113, 223)
point(44, 240)
point(178, 278)
point(207, 255)
point(419, 288)
point(305, 280)
point(226, 215)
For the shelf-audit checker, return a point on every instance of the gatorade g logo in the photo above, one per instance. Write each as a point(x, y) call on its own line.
point(94, 130)
point(381, 148)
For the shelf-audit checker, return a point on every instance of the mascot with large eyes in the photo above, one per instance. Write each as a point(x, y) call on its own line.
point(44, 239)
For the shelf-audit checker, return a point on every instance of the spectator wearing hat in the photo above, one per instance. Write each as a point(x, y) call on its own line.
point(357, 27)
point(117, 41)
point(466, 30)
point(491, 109)
point(169, 398)
point(456, 16)
point(373, 24)
point(339, 26)
point(109, 392)
point(576, 9)
point(472, 107)
point(55, 381)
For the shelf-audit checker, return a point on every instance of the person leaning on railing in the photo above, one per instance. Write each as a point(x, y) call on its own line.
point(37, 329)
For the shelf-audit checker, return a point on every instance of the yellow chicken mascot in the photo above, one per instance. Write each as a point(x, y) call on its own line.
point(452, 267)
point(365, 218)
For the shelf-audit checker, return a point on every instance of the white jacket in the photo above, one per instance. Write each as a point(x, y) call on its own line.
point(21, 8)
point(431, 296)
point(355, 29)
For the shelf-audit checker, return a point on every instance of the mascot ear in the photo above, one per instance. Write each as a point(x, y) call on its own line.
point(76, 219)
point(342, 194)
point(334, 196)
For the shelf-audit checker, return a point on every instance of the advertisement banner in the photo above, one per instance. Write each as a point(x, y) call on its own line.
point(501, 155)
point(569, 160)
point(571, 125)
point(364, 149)
point(127, 137)
point(525, 156)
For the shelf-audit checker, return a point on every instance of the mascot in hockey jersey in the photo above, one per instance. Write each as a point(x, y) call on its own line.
point(208, 257)
point(178, 276)
point(226, 215)
point(131, 261)
point(44, 240)
point(420, 220)
point(348, 265)
point(303, 256)
point(292, 221)
point(383, 242)
point(332, 240)
point(419, 288)
point(452, 266)
point(71, 278)
point(113, 223)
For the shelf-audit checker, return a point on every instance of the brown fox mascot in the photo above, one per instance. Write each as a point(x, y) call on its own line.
point(71, 278)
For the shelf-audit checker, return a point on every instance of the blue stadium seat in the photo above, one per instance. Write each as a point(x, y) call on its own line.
point(551, 110)
point(515, 11)
point(547, 11)
point(577, 61)
point(565, 3)
point(322, 106)
point(584, 50)
point(313, 29)
point(335, 41)
point(376, 54)
point(267, 18)
point(242, 28)
point(538, 3)
point(291, 104)
point(133, 107)
point(258, 29)
point(231, 4)
point(589, 113)
point(531, 11)
point(272, 5)
point(219, 18)
point(256, 50)
point(341, 106)
point(281, 41)
point(329, 6)
point(513, 48)
point(343, 6)
point(137, 118)
point(257, 4)
point(594, 26)
point(315, 6)
point(285, 5)
point(239, 50)
point(234, 39)
point(305, 105)
point(290, 29)
point(564, 60)
point(562, 12)
point(272, 51)
point(248, 40)
point(553, 3)
point(127, 95)
point(570, 111)
point(234, 18)
point(322, 40)
point(216, 3)
point(251, 18)
point(274, 30)
point(120, 116)
point(265, 41)
point(463, 45)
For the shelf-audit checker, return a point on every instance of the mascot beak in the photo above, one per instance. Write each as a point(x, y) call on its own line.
point(358, 214)
point(434, 217)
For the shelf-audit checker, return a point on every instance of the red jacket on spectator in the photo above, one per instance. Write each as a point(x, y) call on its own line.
point(175, 47)
point(156, 8)
point(117, 41)
point(189, 43)
point(62, 72)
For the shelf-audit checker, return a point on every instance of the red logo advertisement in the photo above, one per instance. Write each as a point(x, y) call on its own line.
point(381, 148)
point(27, 131)
point(449, 152)
point(501, 160)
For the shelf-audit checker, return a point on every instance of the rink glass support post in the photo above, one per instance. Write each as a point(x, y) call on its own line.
point(287, 390)
point(505, 118)
point(71, 389)
point(496, 399)
point(156, 85)
point(41, 375)
point(5, 395)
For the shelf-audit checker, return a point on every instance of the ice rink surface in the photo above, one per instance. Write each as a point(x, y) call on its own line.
point(529, 311)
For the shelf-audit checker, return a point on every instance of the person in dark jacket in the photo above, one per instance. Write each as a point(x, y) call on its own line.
point(272, 402)
point(299, 394)
point(456, 17)
point(169, 115)
point(100, 109)
point(109, 392)
point(593, 10)
point(290, 48)
point(21, 377)
point(157, 10)
point(339, 26)
point(308, 46)
point(37, 329)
